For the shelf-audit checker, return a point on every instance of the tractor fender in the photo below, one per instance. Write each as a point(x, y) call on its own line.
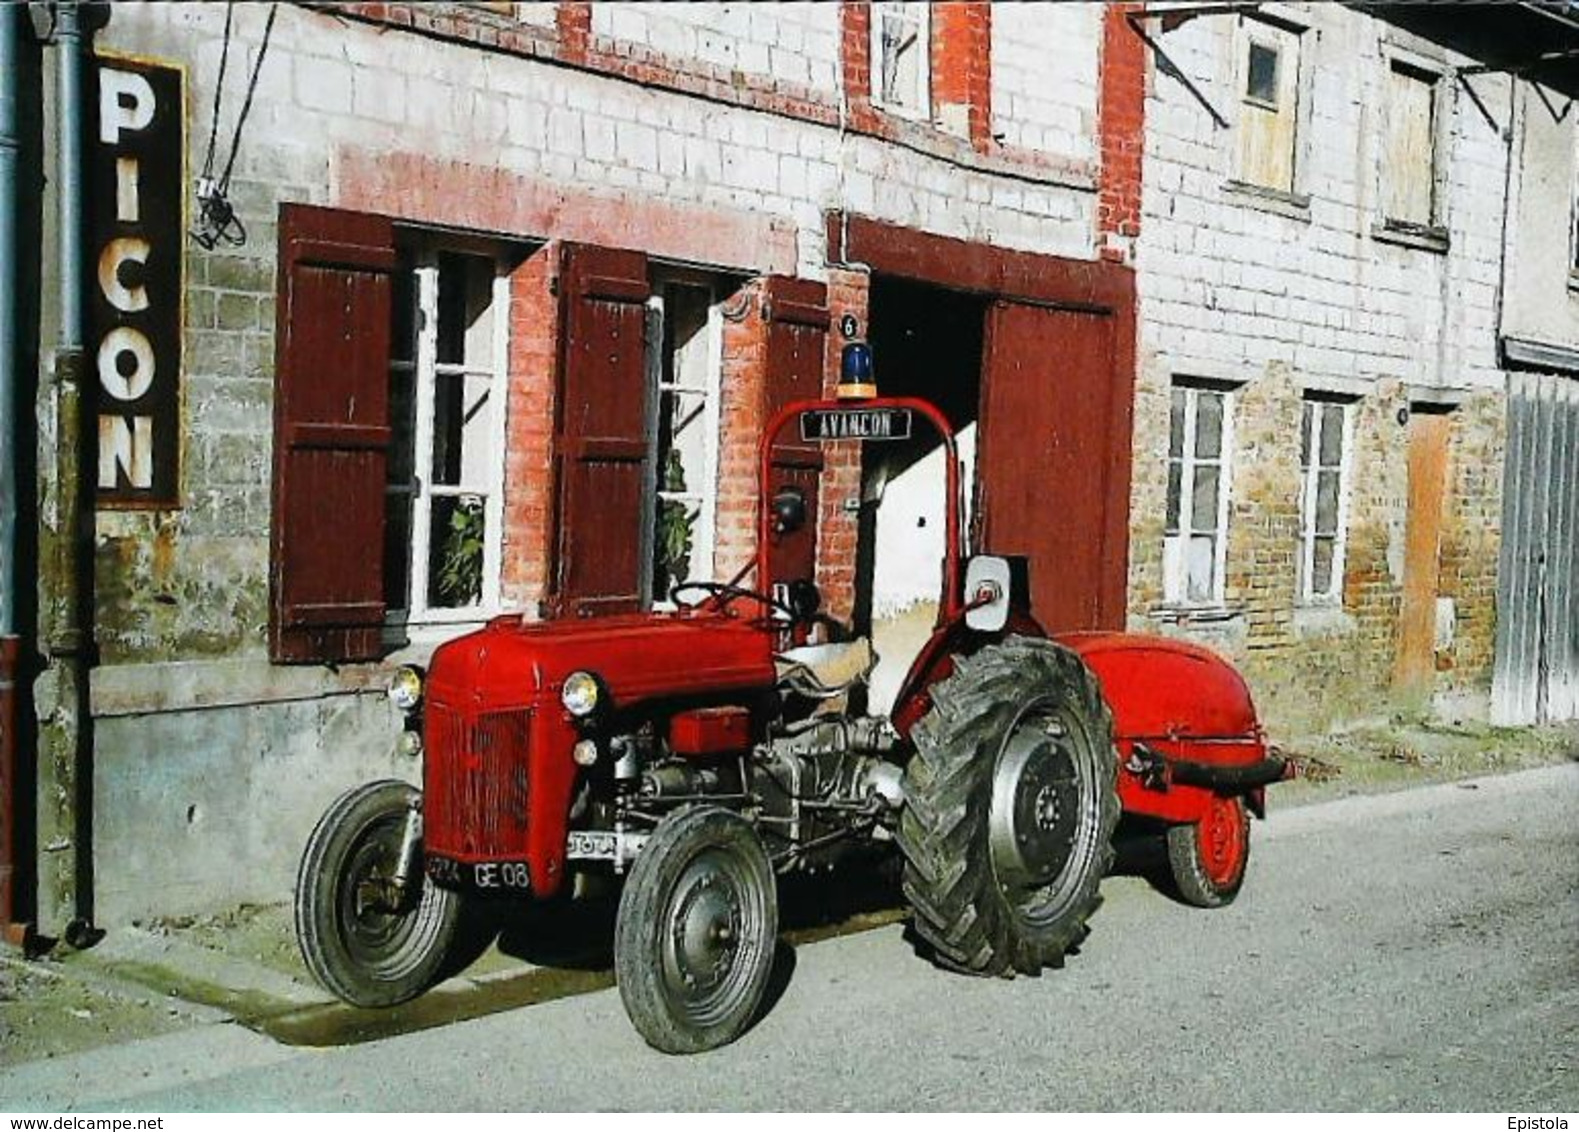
point(1163, 689)
point(935, 662)
point(1183, 722)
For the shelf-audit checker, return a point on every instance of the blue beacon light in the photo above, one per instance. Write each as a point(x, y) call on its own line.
point(856, 380)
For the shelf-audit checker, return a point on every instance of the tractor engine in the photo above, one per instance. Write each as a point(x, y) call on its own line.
point(816, 781)
point(823, 782)
point(814, 786)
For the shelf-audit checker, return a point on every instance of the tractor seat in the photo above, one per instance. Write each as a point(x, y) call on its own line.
point(826, 670)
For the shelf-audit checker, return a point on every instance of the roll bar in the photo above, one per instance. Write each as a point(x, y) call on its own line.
point(952, 599)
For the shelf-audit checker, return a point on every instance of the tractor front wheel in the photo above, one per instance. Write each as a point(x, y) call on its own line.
point(696, 931)
point(364, 938)
point(1208, 857)
point(1010, 805)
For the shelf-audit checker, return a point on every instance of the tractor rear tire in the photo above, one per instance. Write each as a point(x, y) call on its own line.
point(365, 950)
point(1208, 857)
point(1010, 806)
point(697, 928)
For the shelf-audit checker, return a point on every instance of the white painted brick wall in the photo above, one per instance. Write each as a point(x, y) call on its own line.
point(329, 86)
point(1044, 77)
point(794, 42)
point(539, 13)
point(1227, 287)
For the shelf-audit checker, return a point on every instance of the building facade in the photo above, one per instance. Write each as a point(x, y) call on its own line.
point(1321, 405)
point(1537, 670)
point(482, 307)
point(400, 316)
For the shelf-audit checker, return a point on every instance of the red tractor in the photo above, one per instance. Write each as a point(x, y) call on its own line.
point(700, 753)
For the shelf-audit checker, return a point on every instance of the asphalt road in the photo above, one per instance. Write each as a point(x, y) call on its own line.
point(1413, 951)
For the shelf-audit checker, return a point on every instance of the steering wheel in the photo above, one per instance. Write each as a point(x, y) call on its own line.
point(725, 592)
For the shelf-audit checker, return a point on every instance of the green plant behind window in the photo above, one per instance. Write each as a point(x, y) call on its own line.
point(675, 530)
point(460, 568)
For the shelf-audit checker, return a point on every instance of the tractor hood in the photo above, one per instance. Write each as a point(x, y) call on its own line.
point(511, 663)
point(1161, 688)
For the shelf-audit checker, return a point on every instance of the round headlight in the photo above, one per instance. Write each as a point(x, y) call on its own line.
point(405, 688)
point(580, 694)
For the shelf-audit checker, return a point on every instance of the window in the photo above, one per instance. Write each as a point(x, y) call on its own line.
point(1200, 437)
point(443, 497)
point(1326, 437)
point(683, 322)
point(1268, 84)
point(1409, 160)
point(901, 41)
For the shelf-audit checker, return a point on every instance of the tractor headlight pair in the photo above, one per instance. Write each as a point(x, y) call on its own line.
point(581, 694)
point(405, 688)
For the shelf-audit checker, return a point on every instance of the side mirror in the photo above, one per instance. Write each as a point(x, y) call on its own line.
point(988, 583)
point(789, 510)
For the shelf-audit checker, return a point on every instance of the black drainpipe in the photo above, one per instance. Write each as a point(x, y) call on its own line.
point(11, 801)
point(66, 733)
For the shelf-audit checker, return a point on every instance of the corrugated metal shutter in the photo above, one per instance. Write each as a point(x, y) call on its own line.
point(601, 438)
point(797, 314)
point(1536, 677)
point(331, 436)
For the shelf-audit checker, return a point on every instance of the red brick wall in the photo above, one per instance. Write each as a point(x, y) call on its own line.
point(1121, 119)
point(529, 427)
point(848, 293)
point(855, 54)
point(962, 67)
point(740, 426)
point(484, 198)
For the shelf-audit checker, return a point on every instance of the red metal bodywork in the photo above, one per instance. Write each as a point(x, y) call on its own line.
point(499, 774)
point(1182, 701)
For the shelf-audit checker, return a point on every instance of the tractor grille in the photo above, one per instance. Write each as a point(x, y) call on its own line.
point(475, 797)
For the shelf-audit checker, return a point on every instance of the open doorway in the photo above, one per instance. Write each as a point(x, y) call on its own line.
point(926, 342)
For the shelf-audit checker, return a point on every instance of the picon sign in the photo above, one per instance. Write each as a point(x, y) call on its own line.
point(135, 179)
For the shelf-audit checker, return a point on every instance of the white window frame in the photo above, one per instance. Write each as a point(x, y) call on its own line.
point(922, 14)
point(427, 371)
point(1309, 479)
point(705, 533)
point(1175, 558)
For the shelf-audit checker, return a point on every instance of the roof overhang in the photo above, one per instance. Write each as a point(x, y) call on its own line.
point(1535, 41)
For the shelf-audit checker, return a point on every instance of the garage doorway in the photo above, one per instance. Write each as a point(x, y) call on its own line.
point(927, 342)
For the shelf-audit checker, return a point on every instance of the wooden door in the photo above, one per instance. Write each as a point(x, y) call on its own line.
point(1052, 478)
point(1414, 665)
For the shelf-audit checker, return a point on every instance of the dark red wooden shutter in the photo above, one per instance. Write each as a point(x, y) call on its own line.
point(601, 433)
point(1052, 471)
point(331, 435)
point(796, 311)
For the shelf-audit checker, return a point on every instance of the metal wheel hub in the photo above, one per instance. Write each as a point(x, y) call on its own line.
point(704, 929)
point(375, 926)
point(1035, 806)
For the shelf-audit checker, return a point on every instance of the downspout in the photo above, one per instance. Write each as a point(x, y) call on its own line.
point(10, 456)
point(66, 783)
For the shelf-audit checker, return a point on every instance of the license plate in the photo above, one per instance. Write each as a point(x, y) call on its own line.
point(488, 876)
point(511, 875)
